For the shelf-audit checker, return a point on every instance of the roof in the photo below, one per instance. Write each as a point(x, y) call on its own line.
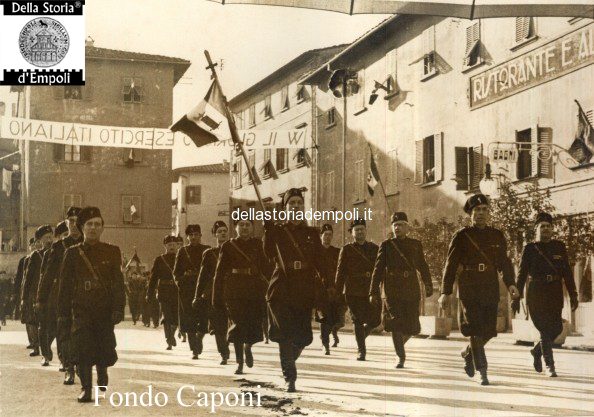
point(179, 65)
point(306, 62)
point(204, 169)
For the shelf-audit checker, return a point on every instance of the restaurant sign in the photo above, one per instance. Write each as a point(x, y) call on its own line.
point(552, 60)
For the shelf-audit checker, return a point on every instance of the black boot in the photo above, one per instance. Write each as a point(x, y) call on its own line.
point(69, 376)
point(222, 346)
point(173, 328)
point(199, 345)
point(398, 340)
point(249, 358)
point(192, 341)
point(85, 373)
point(238, 357)
point(360, 338)
point(102, 377)
point(468, 362)
point(536, 353)
point(335, 337)
point(167, 332)
point(547, 353)
point(325, 337)
point(477, 346)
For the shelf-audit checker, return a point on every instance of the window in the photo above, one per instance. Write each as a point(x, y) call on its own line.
point(193, 194)
point(73, 92)
point(252, 115)
point(328, 188)
point(472, 55)
point(285, 102)
point(391, 68)
point(358, 90)
point(239, 122)
point(282, 159)
point(267, 168)
point(72, 153)
point(525, 29)
point(237, 173)
point(301, 94)
point(359, 180)
point(267, 110)
point(251, 165)
point(14, 110)
point(392, 178)
point(533, 151)
point(131, 156)
point(469, 167)
point(302, 157)
point(70, 200)
point(428, 159)
point(131, 209)
point(132, 90)
point(331, 117)
point(429, 57)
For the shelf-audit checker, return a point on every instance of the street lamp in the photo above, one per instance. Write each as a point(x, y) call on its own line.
point(489, 186)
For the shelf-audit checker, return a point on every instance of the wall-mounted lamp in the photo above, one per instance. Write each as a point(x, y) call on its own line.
point(386, 86)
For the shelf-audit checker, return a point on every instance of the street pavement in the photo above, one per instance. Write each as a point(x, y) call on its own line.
point(432, 383)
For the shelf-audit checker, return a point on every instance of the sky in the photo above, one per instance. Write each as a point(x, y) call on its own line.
point(251, 41)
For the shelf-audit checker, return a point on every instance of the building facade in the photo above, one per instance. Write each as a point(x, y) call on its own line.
point(201, 196)
point(131, 187)
point(448, 90)
point(278, 102)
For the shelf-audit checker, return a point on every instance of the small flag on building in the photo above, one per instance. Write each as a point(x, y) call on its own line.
point(373, 176)
point(582, 147)
point(206, 123)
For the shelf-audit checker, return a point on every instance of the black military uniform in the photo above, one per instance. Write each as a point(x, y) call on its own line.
point(218, 320)
point(18, 283)
point(295, 288)
point(353, 279)
point(150, 305)
point(331, 318)
point(92, 295)
point(547, 267)
point(186, 270)
point(162, 281)
point(398, 262)
point(29, 292)
point(482, 255)
point(47, 298)
point(135, 289)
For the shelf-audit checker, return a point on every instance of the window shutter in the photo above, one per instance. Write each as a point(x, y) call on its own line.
point(126, 203)
point(438, 151)
point(58, 92)
point(285, 97)
point(88, 89)
point(419, 161)
point(476, 173)
point(137, 217)
point(85, 153)
point(545, 167)
point(522, 28)
point(429, 40)
point(461, 167)
point(472, 42)
point(533, 152)
point(58, 152)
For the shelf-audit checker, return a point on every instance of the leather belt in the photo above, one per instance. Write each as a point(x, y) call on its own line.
point(243, 271)
point(476, 268)
point(547, 278)
point(297, 265)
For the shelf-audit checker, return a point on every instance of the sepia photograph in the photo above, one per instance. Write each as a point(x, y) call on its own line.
point(297, 208)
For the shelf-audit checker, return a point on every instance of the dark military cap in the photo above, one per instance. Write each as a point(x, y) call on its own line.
point(72, 211)
point(193, 228)
point(357, 222)
point(86, 214)
point(475, 200)
point(43, 230)
point(31, 241)
point(326, 227)
point(543, 217)
point(292, 192)
point(178, 238)
point(169, 239)
point(399, 216)
point(60, 228)
point(217, 224)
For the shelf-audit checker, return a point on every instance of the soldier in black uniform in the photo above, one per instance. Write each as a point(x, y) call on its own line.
point(47, 297)
point(93, 297)
point(545, 262)
point(481, 252)
point(187, 267)
point(61, 231)
point(218, 321)
point(150, 305)
point(18, 286)
point(353, 279)
point(44, 235)
point(395, 279)
point(296, 287)
point(240, 284)
point(331, 317)
point(162, 281)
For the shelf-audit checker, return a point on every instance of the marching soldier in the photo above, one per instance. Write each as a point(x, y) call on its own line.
point(239, 287)
point(150, 305)
point(395, 274)
point(162, 281)
point(180, 335)
point(481, 252)
point(18, 285)
point(331, 317)
point(92, 296)
point(44, 235)
point(295, 288)
point(218, 322)
point(135, 288)
point(47, 297)
point(187, 267)
point(545, 262)
point(61, 231)
point(353, 279)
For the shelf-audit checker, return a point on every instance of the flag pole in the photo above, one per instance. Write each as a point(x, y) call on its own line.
point(233, 128)
point(379, 180)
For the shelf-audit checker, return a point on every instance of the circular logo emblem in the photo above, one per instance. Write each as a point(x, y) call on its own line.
point(43, 42)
